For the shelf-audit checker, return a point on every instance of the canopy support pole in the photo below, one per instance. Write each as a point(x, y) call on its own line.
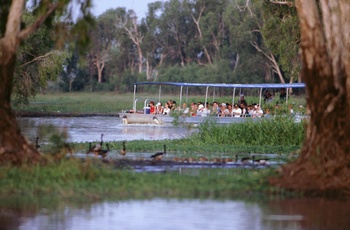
point(181, 96)
point(233, 96)
point(134, 102)
point(206, 97)
point(260, 97)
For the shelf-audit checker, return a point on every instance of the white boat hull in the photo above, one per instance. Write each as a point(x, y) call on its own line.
point(138, 118)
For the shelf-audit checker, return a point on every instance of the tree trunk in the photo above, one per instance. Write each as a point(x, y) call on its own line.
point(14, 148)
point(324, 161)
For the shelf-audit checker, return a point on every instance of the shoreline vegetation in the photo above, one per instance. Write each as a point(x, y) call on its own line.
point(95, 180)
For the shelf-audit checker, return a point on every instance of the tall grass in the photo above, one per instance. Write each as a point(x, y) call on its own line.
point(74, 179)
point(272, 132)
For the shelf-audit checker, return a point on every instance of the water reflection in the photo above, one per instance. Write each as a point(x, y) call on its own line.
point(88, 129)
point(195, 214)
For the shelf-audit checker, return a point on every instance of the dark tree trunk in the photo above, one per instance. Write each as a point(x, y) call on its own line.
point(324, 162)
point(14, 148)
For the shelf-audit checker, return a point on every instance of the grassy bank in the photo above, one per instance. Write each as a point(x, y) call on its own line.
point(73, 179)
point(106, 102)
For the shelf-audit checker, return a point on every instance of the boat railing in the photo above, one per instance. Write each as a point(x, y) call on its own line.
point(134, 104)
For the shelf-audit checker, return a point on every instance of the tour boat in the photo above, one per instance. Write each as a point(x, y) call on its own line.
point(142, 115)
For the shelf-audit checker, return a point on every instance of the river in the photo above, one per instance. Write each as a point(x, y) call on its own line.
point(158, 213)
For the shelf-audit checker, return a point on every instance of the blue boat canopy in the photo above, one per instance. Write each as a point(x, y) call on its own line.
point(218, 85)
point(224, 85)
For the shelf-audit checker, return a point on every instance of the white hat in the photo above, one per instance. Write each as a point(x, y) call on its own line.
point(200, 106)
point(159, 103)
point(223, 104)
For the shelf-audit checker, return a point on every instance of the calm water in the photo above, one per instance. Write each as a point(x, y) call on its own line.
point(191, 214)
point(89, 129)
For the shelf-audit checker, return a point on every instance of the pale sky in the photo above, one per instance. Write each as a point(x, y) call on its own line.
point(139, 6)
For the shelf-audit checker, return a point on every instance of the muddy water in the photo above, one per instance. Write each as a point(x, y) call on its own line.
point(89, 129)
point(191, 214)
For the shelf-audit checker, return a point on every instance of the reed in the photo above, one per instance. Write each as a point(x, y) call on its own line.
point(280, 131)
point(76, 179)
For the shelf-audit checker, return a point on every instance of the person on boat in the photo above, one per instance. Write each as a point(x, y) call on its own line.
point(206, 110)
point(170, 103)
point(244, 110)
point(159, 108)
point(200, 110)
point(258, 111)
point(193, 110)
point(173, 107)
point(185, 110)
point(152, 107)
point(236, 111)
point(166, 110)
point(267, 96)
point(242, 100)
point(283, 95)
point(251, 111)
point(215, 109)
point(223, 110)
point(230, 110)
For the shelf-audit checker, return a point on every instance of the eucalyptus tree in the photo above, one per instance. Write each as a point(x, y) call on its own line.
point(154, 41)
point(281, 34)
point(210, 28)
point(103, 39)
point(243, 22)
point(38, 62)
point(128, 22)
point(323, 164)
point(177, 29)
point(13, 146)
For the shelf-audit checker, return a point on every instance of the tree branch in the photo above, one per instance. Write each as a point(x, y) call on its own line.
point(272, 59)
point(245, 7)
point(41, 57)
point(38, 22)
point(290, 4)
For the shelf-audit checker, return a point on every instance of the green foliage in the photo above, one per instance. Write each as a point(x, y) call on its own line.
point(78, 103)
point(89, 179)
point(173, 46)
point(280, 131)
point(285, 43)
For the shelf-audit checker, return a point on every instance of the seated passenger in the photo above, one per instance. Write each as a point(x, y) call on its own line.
point(152, 107)
point(236, 111)
point(173, 107)
point(206, 110)
point(215, 109)
point(200, 110)
point(193, 110)
point(159, 108)
point(166, 110)
point(258, 111)
point(244, 110)
point(223, 110)
point(230, 110)
point(251, 111)
point(184, 109)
